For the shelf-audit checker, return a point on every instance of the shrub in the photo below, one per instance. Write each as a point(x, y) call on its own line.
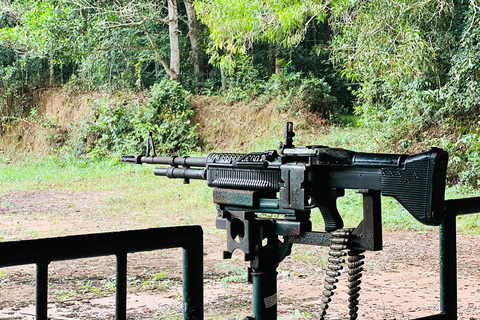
point(244, 83)
point(465, 159)
point(122, 128)
point(297, 92)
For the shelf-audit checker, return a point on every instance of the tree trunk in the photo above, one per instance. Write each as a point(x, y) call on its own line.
point(174, 42)
point(278, 68)
point(223, 79)
point(195, 31)
point(51, 70)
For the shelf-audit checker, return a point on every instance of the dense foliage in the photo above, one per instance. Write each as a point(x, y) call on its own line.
point(416, 63)
point(236, 25)
point(122, 127)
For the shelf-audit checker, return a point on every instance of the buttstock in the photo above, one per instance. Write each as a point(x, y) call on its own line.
point(420, 185)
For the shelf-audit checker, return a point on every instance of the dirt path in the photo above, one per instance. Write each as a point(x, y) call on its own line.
point(400, 282)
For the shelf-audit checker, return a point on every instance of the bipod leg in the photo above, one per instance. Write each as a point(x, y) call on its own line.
point(263, 275)
point(264, 295)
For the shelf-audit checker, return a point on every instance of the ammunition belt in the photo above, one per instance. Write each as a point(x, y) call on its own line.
point(338, 252)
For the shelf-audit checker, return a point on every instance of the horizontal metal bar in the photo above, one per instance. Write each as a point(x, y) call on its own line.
point(463, 206)
point(100, 244)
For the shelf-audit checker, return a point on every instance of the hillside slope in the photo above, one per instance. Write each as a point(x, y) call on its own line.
point(241, 126)
point(223, 125)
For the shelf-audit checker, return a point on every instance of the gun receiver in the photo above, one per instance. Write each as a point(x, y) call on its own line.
point(297, 180)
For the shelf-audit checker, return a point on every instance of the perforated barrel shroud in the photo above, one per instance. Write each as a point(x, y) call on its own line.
point(238, 177)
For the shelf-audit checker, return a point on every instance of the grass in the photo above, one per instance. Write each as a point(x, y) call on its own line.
point(156, 281)
point(233, 272)
point(129, 197)
point(56, 173)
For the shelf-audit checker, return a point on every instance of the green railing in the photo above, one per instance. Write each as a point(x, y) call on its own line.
point(190, 238)
point(448, 256)
point(43, 251)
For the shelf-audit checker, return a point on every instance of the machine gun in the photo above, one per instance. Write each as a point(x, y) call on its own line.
point(288, 184)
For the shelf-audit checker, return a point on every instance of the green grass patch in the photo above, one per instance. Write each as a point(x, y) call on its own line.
point(57, 173)
point(234, 273)
point(129, 197)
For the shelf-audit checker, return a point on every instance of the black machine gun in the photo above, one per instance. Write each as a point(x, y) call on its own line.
point(289, 183)
point(297, 180)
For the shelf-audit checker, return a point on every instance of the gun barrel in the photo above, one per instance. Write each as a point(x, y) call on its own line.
point(182, 173)
point(176, 161)
point(172, 161)
point(130, 159)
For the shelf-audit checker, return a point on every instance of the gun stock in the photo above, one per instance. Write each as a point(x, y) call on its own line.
point(420, 185)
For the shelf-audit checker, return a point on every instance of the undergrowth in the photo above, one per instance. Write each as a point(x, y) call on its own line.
point(117, 124)
point(116, 128)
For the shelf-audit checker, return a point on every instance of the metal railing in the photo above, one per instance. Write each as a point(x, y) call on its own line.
point(448, 256)
point(190, 238)
point(43, 251)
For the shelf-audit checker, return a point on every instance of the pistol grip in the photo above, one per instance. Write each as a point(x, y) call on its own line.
point(327, 203)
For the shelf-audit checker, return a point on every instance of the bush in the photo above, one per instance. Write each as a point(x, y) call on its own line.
point(297, 92)
point(244, 83)
point(123, 128)
point(465, 159)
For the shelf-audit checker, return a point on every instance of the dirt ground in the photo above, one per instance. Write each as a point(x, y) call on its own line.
point(399, 282)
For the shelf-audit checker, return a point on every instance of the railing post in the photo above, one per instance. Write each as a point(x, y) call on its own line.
point(121, 287)
point(41, 283)
point(448, 266)
point(193, 277)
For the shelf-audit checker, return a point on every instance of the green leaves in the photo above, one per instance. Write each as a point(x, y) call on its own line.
point(398, 53)
point(297, 92)
point(121, 127)
point(236, 25)
point(42, 28)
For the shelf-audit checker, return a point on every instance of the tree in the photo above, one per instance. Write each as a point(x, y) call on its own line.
point(148, 17)
point(235, 25)
point(391, 50)
point(195, 35)
point(416, 62)
point(142, 16)
point(41, 30)
point(460, 95)
point(173, 32)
